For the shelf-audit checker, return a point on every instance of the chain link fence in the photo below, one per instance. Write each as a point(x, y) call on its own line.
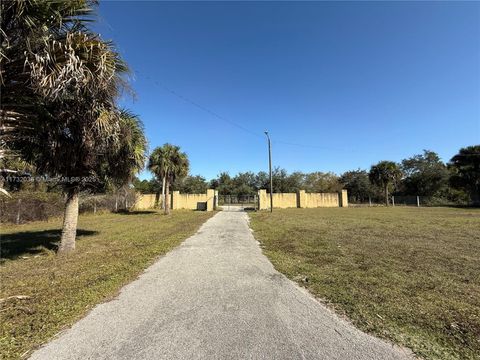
point(26, 206)
point(405, 200)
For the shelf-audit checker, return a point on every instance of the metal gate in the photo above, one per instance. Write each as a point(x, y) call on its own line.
point(249, 202)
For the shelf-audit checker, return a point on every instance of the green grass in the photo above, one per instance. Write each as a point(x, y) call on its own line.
point(411, 275)
point(112, 250)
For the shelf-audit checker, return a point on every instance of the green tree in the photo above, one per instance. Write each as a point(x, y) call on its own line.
point(244, 184)
point(424, 174)
point(191, 185)
point(151, 186)
point(317, 182)
point(295, 181)
point(27, 27)
point(223, 183)
point(60, 108)
point(262, 180)
point(168, 163)
point(282, 181)
point(357, 184)
point(466, 172)
point(127, 157)
point(385, 174)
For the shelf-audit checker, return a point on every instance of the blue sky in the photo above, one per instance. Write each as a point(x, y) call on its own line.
point(338, 85)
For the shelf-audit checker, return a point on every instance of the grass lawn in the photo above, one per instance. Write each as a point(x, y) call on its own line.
point(112, 250)
point(411, 275)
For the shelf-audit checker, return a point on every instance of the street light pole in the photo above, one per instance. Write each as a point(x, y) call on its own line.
point(270, 168)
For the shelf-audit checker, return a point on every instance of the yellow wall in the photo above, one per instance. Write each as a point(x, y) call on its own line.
point(280, 200)
point(147, 201)
point(179, 201)
point(302, 199)
point(284, 200)
point(194, 201)
point(187, 201)
point(263, 200)
point(321, 200)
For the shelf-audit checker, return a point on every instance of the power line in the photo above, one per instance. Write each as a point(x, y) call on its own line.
point(222, 118)
point(203, 108)
point(309, 146)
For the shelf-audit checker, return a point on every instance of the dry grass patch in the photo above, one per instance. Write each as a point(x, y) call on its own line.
point(112, 250)
point(411, 275)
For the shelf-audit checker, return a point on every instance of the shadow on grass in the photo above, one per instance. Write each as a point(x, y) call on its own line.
point(32, 242)
point(136, 212)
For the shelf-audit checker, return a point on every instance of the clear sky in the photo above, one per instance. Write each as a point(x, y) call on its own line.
point(338, 85)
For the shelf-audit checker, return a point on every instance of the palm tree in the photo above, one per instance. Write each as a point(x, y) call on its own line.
point(128, 158)
point(26, 26)
point(384, 174)
point(168, 163)
point(156, 164)
point(127, 155)
point(60, 108)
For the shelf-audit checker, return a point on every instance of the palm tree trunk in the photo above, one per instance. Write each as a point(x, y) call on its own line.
point(163, 192)
point(167, 198)
point(70, 218)
point(386, 195)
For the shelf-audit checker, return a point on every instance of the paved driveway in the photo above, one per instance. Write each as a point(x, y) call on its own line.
point(215, 297)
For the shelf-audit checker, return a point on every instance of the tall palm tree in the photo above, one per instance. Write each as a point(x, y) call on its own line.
point(26, 26)
point(60, 109)
point(168, 163)
point(385, 174)
point(156, 164)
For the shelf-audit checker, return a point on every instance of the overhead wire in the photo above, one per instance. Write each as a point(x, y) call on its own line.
point(233, 123)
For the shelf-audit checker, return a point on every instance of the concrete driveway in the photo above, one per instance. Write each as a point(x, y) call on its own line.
point(215, 297)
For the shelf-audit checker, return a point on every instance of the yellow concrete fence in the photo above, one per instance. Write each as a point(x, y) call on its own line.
point(179, 201)
point(148, 201)
point(301, 199)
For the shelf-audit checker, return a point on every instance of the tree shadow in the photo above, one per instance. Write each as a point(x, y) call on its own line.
point(33, 242)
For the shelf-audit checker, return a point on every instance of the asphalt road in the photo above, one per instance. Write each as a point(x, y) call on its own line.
point(215, 297)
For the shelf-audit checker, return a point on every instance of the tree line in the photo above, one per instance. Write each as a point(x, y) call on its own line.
point(425, 174)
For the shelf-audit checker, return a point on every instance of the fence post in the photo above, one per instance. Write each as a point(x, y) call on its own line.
point(418, 201)
point(19, 207)
point(174, 197)
point(301, 198)
point(262, 199)
point(210, 199)
point(369, 201)
point(343, 198)
point(393, 200)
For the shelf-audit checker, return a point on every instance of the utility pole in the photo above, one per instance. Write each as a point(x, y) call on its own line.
point(270, 168)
